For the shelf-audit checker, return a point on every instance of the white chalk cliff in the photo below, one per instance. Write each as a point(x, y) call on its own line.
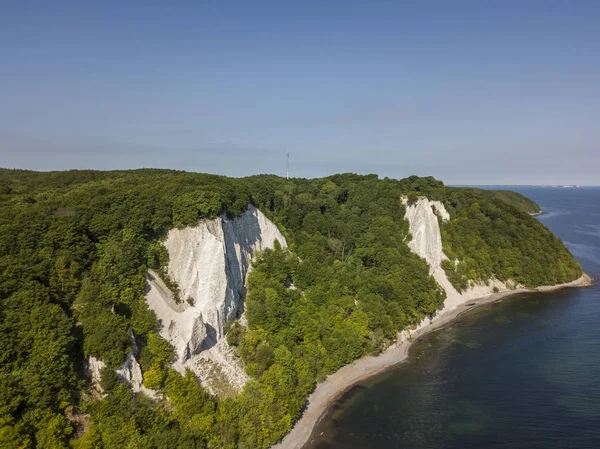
point(426, 241)
point(209, 262)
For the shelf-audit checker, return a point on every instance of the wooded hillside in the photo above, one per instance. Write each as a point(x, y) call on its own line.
point(75, 247)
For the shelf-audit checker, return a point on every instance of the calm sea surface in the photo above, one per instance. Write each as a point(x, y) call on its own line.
point(521, 373)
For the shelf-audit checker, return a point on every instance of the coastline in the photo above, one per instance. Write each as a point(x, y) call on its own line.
point(336, 384)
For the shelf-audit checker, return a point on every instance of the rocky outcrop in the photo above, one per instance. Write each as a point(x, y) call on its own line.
point(423, 218)
point(209, 262)
point(423, 223)
point(181, 324)
point(130, 371)
point(94, 370)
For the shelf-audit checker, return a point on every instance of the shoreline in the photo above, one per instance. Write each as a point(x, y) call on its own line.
point(338, 383)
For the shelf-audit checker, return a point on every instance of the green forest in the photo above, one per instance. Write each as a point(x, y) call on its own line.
point(519, 201)
point(75, 247)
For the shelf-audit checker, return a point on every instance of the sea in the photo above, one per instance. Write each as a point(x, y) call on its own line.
point(520, 373)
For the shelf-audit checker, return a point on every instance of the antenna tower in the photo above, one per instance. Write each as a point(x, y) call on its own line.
point(287, 165)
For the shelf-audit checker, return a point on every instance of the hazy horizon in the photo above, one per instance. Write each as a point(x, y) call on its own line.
point(324, 176)
point(471, 93)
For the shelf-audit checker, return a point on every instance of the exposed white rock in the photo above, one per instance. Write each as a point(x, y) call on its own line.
point(94, 370)
point(425, 230)
point(422, 217)
point(181, 324)
point(219, 368)
point(209, 262)
point(130, 371)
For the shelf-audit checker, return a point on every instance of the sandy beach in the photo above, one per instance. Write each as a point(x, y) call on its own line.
point(335, 385)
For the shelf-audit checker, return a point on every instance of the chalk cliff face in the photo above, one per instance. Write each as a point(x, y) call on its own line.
point(424, 227)
point(425, 230)
point(182, 325)
point(209, 262)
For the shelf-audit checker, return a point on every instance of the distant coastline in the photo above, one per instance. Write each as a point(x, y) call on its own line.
point(335, 385)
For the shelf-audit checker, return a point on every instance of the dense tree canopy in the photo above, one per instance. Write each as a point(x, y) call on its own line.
point(518, 200)
point(75, 248)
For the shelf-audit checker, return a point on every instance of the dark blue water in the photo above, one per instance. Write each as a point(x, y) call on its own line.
point(521, 373)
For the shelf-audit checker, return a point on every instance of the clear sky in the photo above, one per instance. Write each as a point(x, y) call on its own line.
point(481, 92)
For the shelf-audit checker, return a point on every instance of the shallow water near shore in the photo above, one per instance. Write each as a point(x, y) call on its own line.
point(523, 372)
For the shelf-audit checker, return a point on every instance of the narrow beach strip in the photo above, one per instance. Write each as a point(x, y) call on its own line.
point(335, 385)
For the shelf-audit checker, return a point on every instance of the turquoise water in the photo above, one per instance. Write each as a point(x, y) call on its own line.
point(521, 373)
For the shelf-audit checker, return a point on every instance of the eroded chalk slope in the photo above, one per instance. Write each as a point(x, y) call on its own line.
point(209, 262)
point(426, 241)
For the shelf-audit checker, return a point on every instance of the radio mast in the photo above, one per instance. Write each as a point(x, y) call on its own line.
point(287, 165)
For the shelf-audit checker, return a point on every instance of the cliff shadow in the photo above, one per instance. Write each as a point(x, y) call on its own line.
point(211, 338)
point(243, 235)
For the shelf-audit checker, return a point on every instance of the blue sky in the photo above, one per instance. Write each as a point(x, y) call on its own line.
point(474, 92)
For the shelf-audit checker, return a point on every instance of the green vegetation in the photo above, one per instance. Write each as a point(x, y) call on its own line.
point(517, 200)
point(75, 248)
point(492, 238)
